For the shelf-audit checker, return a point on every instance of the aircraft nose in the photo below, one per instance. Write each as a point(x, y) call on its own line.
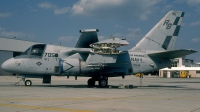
point(7, 65)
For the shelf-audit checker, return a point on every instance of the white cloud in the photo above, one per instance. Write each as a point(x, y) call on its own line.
point(193, 2)
point(66, 39)
point(134, 30)
point(195, 23)
point(57, 10)
point(195, 40)
point(106, 8)
point(1, 28)
point(119, 35)
point(32, 9)
point(144, 16)
point(11, 34)
point(114, 8)
point(46, 5)
point(131, 34)
point(61, 10)
point(6, 14)
point(189, 2)
point(166, 8)
point(118, 26)
point(197, 9)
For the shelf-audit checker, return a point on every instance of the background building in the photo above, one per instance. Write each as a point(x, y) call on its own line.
point(11, 47)
point(181, 68)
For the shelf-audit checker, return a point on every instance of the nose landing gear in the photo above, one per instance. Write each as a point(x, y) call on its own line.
point(26, 82)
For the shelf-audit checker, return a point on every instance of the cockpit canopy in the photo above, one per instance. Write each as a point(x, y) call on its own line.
point(36, 50)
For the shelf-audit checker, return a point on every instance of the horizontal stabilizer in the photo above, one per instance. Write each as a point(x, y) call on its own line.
point(172, 54)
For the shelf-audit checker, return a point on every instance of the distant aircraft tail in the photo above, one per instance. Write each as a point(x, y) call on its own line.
point(163, 35)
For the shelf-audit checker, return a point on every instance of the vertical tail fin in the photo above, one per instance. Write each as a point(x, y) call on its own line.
point(163, 35)
point(88, 36)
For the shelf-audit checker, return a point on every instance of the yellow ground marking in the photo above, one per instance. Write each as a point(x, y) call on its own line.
point(44, 108)
point(53, 99)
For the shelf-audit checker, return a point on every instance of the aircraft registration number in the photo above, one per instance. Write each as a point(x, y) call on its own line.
point(51, 55)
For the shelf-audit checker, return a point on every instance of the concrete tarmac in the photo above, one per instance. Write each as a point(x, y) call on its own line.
point(69, 95)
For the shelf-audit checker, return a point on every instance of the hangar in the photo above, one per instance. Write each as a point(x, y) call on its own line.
point(11, 47)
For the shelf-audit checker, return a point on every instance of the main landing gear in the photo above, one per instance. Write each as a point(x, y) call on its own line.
point(91, 82)
point(103, 81)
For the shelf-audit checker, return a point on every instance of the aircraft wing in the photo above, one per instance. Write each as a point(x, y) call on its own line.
point(87, 37)
point(172, 54)
point(81, 50)
point(101, 58)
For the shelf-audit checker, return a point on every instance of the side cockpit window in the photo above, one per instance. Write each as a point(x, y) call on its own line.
point(37, 50)
point(27, 51)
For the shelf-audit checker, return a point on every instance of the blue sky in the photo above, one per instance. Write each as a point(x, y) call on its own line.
point(55, 22)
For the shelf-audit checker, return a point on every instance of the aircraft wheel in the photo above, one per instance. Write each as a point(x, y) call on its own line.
point(91, 82)
point(103, 82)
point(28, 83)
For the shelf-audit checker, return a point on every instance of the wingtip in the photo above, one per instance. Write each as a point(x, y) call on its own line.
point(193, 50)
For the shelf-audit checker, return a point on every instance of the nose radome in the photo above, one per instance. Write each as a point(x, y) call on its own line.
point(4, 66)
point(7, 64)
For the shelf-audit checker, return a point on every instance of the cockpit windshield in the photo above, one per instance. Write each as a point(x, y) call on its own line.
point(36, 50)
point(26, 52)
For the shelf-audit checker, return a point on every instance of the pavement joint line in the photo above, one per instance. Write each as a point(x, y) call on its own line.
point(44, 108)
point(90, 99)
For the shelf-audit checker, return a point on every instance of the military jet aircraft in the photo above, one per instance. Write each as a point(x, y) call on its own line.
point(101, 59)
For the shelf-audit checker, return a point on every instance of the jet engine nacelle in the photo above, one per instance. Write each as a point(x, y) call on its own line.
point(73, 67)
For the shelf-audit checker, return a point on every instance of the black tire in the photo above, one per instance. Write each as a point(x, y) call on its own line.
point(91, 82)
point(103, 82)
point(28, 83)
